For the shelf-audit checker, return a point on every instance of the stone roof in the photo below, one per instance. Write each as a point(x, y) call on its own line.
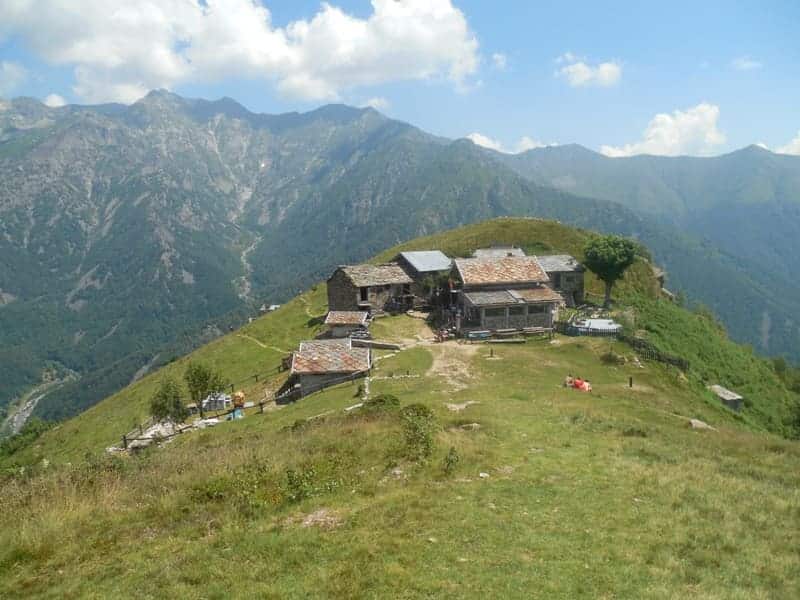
point(319, 357)
point(512, 297)
point(427, 261)
point(537, 294)
point(346, 317)
point(559, 263)
point(724, 393)
point(498, 252)
point(368, 275)
point(498, 271)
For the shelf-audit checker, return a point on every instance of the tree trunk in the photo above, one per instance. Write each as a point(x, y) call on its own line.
point(607, 302)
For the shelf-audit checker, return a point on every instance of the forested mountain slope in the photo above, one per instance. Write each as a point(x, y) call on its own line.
point(129, 234)
point(746, 203)
point(469, 472)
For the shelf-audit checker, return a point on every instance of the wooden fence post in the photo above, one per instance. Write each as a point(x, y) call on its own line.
point(261, 406)
point(124, 442)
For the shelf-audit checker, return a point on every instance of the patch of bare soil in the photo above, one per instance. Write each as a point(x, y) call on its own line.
point(451, 362)
point(323, 518)
point(460, 407)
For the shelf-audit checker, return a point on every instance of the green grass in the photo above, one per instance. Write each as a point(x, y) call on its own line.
point(608, 494)
point(601, 495)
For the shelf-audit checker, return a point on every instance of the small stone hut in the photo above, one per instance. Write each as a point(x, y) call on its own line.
point(729, 398)
point(321, 363)
point(369, 288)
point(342, 323)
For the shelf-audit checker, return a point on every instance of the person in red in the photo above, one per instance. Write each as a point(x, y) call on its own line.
point(578, 383)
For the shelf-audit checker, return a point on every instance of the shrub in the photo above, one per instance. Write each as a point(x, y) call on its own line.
point(379, 405)
point(167, 403)
point(29, 433)
point(451, 460)
point(419, 425)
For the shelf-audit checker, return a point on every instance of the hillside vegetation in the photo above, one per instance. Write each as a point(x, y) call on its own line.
point(133, 234)
point(471, 472)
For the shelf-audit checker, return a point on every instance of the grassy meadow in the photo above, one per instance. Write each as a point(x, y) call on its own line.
point(471, 473)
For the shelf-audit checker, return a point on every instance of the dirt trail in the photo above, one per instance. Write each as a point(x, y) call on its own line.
point(307, 304)
point(451, 362)
point(262, 344)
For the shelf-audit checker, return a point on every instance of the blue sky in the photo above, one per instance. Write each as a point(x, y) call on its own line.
point(722, 75)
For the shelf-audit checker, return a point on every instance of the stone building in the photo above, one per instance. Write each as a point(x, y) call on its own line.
point(509, 292)
point(426, 268)
point(320, 363)
point(369, 288)
point(566, 276)
point(342, 323)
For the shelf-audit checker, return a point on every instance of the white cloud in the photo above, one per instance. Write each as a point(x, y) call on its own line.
point(481, 140)
point(122, 49)
point(579, 73)
point(693, 131)
point(11, 76)
point(745, 63)
point(527, 143)
point(54, 101)
point(500, 61)
point(524, 143)
point(793, 147)
point(378, 103)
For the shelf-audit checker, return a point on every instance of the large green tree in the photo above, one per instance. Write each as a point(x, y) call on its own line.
point(202, 381)
point(167, 403)
point(608, 257)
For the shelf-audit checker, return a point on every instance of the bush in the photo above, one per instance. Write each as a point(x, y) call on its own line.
point(29, 433)
point(451, 460)
point(419, 425)
point(380, 405)
point(167, 404)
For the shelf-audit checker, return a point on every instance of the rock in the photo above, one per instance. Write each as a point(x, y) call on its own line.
point(460, 407)
point(471, 426)
point(483, 475)
point(702, 425)
point(432, 540)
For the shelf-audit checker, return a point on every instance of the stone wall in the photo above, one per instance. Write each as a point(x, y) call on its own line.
point(342, 294)
point(570, 284)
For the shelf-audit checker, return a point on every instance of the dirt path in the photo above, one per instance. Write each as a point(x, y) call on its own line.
point(451, 362)
point(307, 304)
point(262, 344)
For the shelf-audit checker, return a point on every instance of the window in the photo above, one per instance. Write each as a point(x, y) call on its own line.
point(406, 289)
point(557, 279)
point(364, 294)
point(516, 311)
point(536, 309)
point(495, 312)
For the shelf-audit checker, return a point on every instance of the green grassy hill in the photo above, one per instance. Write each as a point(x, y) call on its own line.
point(485, 478)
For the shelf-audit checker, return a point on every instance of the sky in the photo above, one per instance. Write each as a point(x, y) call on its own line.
point(622, 78)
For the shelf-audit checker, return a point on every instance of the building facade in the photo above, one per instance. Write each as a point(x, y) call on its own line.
point(566, 277)
point(509, 292)
point(369, 288)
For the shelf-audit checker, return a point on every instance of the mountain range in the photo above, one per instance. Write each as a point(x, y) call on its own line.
point(129, 234)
